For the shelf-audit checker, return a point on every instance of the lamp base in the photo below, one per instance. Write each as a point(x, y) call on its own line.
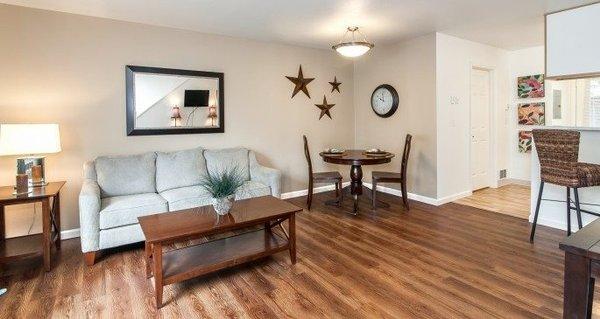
point(34, 168)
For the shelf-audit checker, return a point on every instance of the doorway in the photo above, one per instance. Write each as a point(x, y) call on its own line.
point(480, 128)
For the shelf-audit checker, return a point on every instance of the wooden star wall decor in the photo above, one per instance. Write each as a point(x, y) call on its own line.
point(335, 85)
point(300, 83)
point(325, 108)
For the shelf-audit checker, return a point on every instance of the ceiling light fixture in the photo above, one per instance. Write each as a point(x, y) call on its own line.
point(353, 48)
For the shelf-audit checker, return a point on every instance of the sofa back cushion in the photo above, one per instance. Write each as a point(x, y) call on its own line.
point(126, 175)
point(217, 161)
point(179, 169)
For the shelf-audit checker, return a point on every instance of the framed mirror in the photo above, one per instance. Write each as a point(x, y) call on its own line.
point(171, 101)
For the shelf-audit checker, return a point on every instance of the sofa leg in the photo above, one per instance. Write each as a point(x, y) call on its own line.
point(89, 258)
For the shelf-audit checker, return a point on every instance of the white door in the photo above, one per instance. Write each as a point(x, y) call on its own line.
point(480, 128)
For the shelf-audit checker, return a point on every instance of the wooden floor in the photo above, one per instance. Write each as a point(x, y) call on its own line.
point(513, 200)
point(451, 261)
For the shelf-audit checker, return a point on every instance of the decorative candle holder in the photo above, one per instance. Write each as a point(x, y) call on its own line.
point(22, 185)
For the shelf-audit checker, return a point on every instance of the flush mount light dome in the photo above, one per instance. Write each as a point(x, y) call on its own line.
point(353, 48)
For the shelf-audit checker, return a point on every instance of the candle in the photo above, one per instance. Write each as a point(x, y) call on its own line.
point(22, 183)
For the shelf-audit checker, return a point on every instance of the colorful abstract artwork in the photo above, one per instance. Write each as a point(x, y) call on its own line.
point(525, 141)
point(531, 86)
point(532, 113)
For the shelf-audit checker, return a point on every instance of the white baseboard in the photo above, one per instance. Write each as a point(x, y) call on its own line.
point(69, 233)
point(515, 181)
point(396, 192)
point(304, 192)
point(451, 198)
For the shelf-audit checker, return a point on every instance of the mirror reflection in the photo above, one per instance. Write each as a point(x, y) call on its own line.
point(163, 101)
point(573, 103)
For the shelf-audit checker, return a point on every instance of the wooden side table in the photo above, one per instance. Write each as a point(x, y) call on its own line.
point(31, 245)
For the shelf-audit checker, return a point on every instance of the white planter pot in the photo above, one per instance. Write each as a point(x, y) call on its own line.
point(223, 205)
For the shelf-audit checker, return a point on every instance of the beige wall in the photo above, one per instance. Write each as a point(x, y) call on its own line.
point(410, 68)
point(455, 58)
point(70, 70)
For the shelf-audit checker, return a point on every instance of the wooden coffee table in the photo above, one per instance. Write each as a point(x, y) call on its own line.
point(176, 265)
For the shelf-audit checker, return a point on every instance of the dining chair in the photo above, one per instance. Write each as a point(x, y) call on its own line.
point(393, 177)
point(558, 152)
point(322, 177)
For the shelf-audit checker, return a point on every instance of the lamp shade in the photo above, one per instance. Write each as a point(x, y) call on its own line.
point(24, 139)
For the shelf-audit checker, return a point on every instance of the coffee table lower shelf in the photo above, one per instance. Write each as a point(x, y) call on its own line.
point(190, 262)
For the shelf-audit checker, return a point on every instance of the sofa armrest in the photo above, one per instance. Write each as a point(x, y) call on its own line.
point(265, 175)
point(89, 216)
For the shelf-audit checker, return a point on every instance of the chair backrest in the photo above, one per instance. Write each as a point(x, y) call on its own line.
point(558, 151)
point(307, 154)
point(405, 155)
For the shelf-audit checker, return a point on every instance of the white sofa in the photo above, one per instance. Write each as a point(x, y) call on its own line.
point(119, 189)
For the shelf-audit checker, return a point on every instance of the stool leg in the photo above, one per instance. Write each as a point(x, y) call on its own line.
point(576, 191)
point(537, 212)
point(568, 211)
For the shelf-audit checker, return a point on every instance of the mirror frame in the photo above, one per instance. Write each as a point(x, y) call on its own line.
point(130, 71)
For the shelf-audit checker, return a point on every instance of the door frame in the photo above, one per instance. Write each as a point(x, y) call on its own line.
point(493, 137)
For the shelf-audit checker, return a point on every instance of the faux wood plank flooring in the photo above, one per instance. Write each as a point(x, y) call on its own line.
point(451, 261)
point(513, 200)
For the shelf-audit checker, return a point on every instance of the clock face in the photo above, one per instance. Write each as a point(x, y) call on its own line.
point(384, 100)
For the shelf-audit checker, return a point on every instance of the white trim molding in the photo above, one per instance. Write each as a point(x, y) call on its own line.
point(69, 233)
point(513, 181)
point(304, 192)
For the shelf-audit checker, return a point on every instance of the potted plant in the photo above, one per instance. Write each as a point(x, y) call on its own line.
point(222, 186)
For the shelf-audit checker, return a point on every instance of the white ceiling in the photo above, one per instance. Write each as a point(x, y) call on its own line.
point(509, 24)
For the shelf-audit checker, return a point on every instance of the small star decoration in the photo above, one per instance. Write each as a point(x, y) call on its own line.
point(301, 82)
point(325, 108)
point(335, 85)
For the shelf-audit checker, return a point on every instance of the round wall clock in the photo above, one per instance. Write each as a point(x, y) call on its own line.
point(384, 100)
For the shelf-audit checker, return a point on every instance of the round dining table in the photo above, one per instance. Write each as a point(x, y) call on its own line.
point(356, 158)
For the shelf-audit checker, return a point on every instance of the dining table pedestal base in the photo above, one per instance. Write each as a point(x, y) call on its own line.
point(356, 158)
point(356, 185)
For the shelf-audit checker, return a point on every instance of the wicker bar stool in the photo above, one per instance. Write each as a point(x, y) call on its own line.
point(558, 151)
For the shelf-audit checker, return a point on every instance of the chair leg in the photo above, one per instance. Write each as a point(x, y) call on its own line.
point(568, 211)
point(341, 194)
point(577, 206)
point(374, 194)
point(337, 190)
point(309, 196)
point(404, 194)
point(537, 212)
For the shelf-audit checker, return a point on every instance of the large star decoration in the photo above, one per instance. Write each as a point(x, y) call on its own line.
point(301, 82)
point(325, 108)
point(335, 85)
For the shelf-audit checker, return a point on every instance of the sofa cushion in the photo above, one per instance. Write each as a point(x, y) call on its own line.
point(120, 211)
point(186, 197)
point(218, 161)
point(179, 169)
point(252, 189)
point(126, 175)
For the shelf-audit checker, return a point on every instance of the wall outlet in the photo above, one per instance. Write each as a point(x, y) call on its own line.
point(454, 100)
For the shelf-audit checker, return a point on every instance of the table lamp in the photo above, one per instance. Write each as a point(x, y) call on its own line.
point(27, 140)
point(175, 115)
point(212, 114)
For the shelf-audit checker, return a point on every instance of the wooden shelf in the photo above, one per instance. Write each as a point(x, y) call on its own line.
point(193, 261)
point(20, 247)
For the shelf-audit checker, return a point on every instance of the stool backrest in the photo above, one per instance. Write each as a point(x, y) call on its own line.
point(558, 151)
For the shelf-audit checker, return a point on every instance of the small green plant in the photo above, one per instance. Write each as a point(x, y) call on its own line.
point(223, 184)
